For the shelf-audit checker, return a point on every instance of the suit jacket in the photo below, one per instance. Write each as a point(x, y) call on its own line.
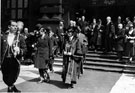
point(53, 44)
point(120, 36)
point(60, 32)
point(110, 30)
point(5, 46)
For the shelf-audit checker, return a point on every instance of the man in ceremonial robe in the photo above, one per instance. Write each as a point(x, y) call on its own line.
point(71, 58)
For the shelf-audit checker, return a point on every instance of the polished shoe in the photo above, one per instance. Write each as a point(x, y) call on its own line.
point(10, 89)
point(16, 90)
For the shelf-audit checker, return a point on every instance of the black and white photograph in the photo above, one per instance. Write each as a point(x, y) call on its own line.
point(67, 46)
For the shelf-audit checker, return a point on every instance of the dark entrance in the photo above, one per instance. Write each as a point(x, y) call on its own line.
point(114, 11)
point(103, 8)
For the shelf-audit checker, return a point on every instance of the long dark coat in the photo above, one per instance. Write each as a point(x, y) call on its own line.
point(83, 24)
point(98, 35)
point(60, 34)
point(43, 52)
point(109, 36)
point(93, 34)
point(120, 34)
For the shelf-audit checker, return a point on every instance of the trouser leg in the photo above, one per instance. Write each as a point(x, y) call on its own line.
point(41, 73)
point(10, 70)
point(120, 55)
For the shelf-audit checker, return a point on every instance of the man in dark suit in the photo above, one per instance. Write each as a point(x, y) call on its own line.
point(119, 38)
point(13, 47)
point(127, 26)
point(60, 34)
point(83, 24)
point(54, 46)
point(109, 35)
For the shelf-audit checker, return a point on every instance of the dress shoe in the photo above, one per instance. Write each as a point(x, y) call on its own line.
point(13, 89)
point(10, 89)
point(16, 90)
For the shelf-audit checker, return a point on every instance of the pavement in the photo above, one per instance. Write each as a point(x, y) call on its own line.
point(90, 82)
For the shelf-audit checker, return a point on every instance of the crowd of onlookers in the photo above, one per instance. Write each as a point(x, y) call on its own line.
point(112, 36)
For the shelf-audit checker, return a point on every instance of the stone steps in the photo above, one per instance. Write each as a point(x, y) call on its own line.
point(103, 62)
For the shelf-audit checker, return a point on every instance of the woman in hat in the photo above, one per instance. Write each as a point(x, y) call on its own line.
point(43, 53)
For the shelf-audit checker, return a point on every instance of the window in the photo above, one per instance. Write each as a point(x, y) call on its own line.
point(13, 14)
point(18, 9)
point(20, 4)
point(8, 4)
point(13, 4)
point(20, 13)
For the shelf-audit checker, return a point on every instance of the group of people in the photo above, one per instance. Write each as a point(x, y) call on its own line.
point(41, 46)
point(111, 36)
point(73, 42)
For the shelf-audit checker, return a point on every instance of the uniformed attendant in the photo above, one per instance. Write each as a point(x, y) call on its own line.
point(109, 35)
point(71, 58)
point(13, 46)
